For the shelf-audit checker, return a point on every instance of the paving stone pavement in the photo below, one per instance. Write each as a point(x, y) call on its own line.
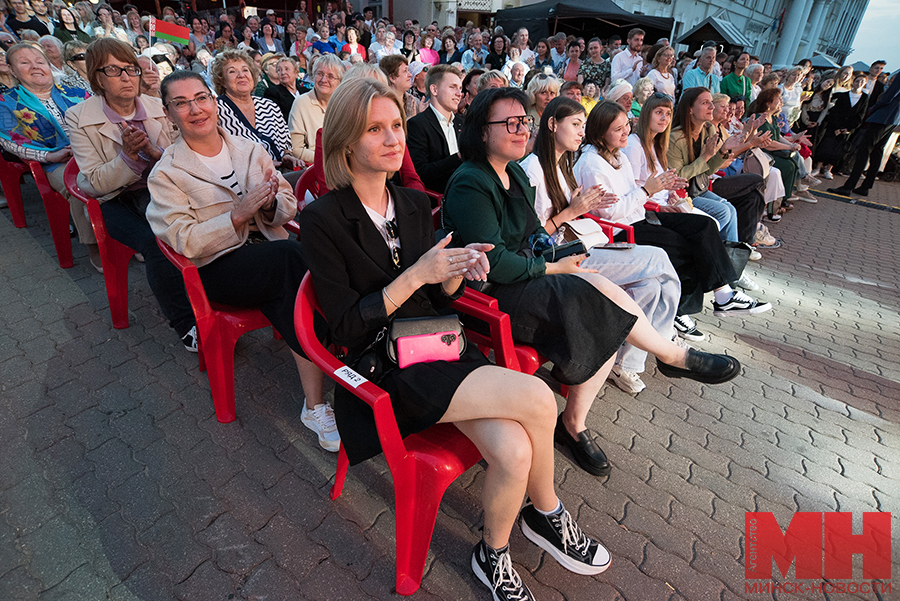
point(116, 481)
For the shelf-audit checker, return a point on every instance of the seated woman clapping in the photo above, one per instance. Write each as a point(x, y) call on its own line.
point(371, 253)
point(644, 272)
point(572, 315)
point(691, 241)
point(33, 127)
point(217, 199)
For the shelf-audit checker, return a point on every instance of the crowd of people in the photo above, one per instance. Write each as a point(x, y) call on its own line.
point(524, 140)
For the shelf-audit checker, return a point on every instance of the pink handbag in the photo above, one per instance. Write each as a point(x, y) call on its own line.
point(425, 339)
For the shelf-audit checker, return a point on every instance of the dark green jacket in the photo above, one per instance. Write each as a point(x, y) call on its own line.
point(477, 208)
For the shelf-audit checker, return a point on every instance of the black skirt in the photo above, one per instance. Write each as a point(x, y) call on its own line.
point(567, 320)
point(420, 395)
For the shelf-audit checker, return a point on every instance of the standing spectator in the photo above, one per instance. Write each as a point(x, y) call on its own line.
point(541, 90)
point(874, 88)
point(449, 54)
point(268, 42)
point(844, 118)
point(408, 50)
point(542, 55)
point(883, 118)
point(615, 43)
point(353, 46)
point(20, 19)
point(791, 95)
point(702, 76)
point(592, 69)
point(433, 133)
point(662, 74)
point(755, 74)
point(497, 55)
point(40, 13)
point(737, 83)
point(558, 49)
point(475, 56)
point(627, 65)
point(285, 92)
point(105, 27)
point(427, 53)
point(114, 167)
point(569, 68)
point(843, 81)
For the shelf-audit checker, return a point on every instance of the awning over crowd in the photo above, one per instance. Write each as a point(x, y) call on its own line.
point(860, 66)
point(820, 61)
point(717, 30)
point(581, 17)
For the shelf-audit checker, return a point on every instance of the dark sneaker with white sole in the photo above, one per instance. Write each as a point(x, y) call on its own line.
point(687, 329)
point(740, 304)
point(561, 537)
point(190, 339)
point(495, 570)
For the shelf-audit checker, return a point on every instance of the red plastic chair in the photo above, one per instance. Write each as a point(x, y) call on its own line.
point(607, 227)
point(57, 208)
point(308, 182)
point(113, 254)
point(218, 327)
point(423, 465)
point(11, 174)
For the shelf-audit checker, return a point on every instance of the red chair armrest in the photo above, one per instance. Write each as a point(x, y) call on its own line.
point(192, 283)
point(481, 298)
point(293, 227)
point(608, 227)
point(499, 323)
point(651, 206)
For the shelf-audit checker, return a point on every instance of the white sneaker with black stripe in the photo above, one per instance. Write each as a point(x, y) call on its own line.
point(740, 304)
point(190, 340)
point(495, 570)
point(687, 329)
point(563, 539)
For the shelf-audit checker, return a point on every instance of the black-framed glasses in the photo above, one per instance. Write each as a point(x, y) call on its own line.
point(114, 71)
point(513, 123)
point(390, 228)
point(78, 57)
point(181, 105)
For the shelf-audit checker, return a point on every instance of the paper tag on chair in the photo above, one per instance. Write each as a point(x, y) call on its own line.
point(350, 377)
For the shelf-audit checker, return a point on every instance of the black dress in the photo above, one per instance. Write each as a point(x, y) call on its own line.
point(350, 264)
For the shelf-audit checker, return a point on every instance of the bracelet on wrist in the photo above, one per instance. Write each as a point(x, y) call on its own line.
point(645, 191)
point(388, 296)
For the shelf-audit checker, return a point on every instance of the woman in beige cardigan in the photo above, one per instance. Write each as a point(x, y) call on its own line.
point(218, 200)
point(117, 136)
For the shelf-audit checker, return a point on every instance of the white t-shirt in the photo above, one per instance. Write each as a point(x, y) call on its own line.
point(221, 167)
point(592, 169)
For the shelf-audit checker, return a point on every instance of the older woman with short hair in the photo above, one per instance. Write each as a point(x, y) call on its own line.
point(33, 127)
point(73, 55)
point(117, 137)
point(540, 91)
point(286, 91)
point(308, 111)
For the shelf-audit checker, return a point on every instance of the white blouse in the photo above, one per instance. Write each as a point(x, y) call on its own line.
point(662, 83)
point(635, 153)
point(592, 169)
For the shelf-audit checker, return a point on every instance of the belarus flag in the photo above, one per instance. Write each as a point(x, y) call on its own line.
point(169, 31)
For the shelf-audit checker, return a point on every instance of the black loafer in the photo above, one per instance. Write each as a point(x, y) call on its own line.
point(861, 191)
point(589, 456)
point(839, 190)
point(703, 367)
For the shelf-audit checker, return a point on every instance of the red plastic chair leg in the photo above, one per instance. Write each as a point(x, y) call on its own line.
point(115, 257)
point(341, 474)
point(57, 209)
point(219, 358)
point(11, 182)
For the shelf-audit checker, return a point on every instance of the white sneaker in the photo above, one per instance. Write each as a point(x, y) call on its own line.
point(740, 304)
point(687, 329)
point(755, 255)
point(628, 381)
point(827, 174)
point(320, 419)
point(809, 180)
point(746, 283)
point(815, 173)
point(806, 196)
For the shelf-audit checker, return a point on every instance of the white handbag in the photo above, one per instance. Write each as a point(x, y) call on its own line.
point(586, 230)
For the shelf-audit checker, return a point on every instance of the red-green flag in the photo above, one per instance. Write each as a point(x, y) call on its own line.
point(169, 31)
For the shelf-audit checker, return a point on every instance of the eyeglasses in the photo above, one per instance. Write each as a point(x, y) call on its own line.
point(513, 123)
point(325, 76)
point(390, 228)
point(114, 71)
point(78, 57)
point(182, 105)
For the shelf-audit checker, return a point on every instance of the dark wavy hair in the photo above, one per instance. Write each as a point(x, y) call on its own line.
point(471, 140)
point(545, 148)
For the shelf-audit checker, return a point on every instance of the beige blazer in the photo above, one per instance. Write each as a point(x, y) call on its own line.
point(97, 144)
point(307, 116)
point(190, 207)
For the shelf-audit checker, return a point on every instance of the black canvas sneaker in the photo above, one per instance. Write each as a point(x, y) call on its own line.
point(496, 571)
point(560, 536)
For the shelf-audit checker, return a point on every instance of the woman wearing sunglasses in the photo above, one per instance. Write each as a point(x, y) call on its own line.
point(371, 253)
point(218, 200)
point(571, 314)
point(117, 136)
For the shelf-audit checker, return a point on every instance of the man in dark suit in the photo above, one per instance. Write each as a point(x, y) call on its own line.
point(433, 132)
point(874, 134)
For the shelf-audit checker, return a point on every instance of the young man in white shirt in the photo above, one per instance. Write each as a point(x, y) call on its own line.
point(627, 64)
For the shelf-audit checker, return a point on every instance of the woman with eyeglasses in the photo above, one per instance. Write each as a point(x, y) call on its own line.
point(308, 111)
point(572, 315)
point(68, 29)
point(372, 257)
point(33, 127)
point(218, 200)
point(117, 137)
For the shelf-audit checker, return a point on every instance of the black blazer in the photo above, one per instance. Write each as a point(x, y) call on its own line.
point(350, 262)
point(429, 151)
point(281, 96)
point(843, 116)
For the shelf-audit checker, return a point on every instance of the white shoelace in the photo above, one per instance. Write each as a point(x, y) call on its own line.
point(741, 297)
point(506, 578)
point(686, 321)
point(572, 534)
point(324, 418)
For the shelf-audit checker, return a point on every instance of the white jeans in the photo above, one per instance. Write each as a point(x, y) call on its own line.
point(647, 275)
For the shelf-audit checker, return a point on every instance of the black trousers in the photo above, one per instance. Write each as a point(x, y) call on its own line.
point(746, 192)
point(696, 251)
point(871, 146)
point(264, 276)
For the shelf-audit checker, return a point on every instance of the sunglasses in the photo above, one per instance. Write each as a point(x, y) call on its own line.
point(78, 57)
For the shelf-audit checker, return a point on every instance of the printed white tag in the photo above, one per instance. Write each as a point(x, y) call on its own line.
point(350, 377)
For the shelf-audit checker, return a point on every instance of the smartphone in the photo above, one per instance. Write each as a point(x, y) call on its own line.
point(616, 245)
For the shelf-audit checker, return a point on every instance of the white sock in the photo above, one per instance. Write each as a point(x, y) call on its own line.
point(724, 295)
point(558, 509)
